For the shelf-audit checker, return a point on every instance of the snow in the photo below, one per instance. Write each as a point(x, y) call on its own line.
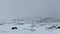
point(29, 27)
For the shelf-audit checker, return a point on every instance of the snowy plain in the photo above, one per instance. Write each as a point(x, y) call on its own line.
point(46, 25)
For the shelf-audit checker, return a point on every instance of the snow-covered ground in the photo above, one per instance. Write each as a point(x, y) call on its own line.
point(30, 26)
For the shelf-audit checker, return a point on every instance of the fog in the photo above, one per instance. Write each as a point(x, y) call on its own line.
point(29, 8)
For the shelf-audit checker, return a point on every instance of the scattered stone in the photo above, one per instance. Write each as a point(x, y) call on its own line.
point(32, 29)
point(29, 29)
point(19, 24)
point(52, 27)
point(32, 25)
point(1, 24)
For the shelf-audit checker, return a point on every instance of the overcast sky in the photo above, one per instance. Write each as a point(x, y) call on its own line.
point(29, 8)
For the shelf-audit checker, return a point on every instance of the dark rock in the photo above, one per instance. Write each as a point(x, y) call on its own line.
point(13, 28)
point(58, 27)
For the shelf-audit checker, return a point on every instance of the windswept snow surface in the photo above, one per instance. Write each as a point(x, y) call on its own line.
point(35, 25)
